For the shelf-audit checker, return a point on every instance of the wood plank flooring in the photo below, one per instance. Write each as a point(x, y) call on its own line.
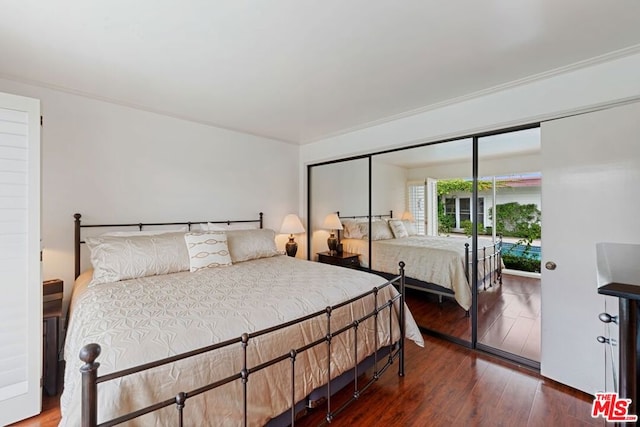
point(449, 385)
point(508, 316)
point(445, 385)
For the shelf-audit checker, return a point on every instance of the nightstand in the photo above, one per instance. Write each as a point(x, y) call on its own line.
point(52, 291)
point(345, 259)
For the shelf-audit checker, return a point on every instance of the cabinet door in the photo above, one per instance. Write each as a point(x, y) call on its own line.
point(20, 283)
point(591, 172)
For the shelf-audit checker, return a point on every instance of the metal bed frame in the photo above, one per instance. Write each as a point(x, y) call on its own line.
point(381, 359)
point(493, 260)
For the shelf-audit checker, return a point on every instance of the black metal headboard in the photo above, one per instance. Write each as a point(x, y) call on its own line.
point(390, 215)
point(79, 226)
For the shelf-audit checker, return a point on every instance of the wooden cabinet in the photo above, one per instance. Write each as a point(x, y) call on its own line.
point(344, 259)
point(52, 291)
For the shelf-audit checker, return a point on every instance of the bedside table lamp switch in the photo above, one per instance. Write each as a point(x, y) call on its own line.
point(291, 225)
point(332, 222)
point(52, 292)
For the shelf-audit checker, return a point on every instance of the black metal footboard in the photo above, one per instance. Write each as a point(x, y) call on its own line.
point(90, 378)
point(490, 259)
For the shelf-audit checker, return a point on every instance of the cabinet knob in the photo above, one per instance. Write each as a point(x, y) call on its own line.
point(603, 340)
point(607, 318)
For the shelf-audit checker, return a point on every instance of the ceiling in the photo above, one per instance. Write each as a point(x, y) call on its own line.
point(300, 70)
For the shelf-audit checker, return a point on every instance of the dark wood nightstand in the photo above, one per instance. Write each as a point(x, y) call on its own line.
point(52, 291)
point(345, 259)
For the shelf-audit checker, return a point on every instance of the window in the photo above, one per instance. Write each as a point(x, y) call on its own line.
point(459, 210)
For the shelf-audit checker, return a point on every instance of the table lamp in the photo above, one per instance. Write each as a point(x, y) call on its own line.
point(291, 225)
point(332, 222)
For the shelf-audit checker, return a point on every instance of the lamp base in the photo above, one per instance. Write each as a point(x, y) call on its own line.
point(291, 247)
point(332, 242)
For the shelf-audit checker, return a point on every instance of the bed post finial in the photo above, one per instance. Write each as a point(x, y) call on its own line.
point(88, 354)
point(76, 246)
point(391, 213)
point(261, 214)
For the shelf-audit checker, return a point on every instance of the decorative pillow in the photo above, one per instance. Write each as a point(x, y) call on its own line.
point(410, 226)
point(207, 249)
point(379, 230)
point(398, 229)
point(251, 244)
point(117, 258)
point(351, 229)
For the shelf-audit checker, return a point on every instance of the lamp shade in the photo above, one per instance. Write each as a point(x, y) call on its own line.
point(407, 216)
point(332, 222)
point(291, 225)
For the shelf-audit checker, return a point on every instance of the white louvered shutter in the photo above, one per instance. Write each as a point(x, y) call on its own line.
point(20, 279)
point(416, 201)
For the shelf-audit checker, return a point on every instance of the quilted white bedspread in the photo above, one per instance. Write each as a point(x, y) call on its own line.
point(438, 260)
point(145, 319)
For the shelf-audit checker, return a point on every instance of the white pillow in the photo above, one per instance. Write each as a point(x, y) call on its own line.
point(207, 249)
point(410, 226)
point(351, 229)
point(398, 228)
point(117, 258)
point(251, 244)
point(379, 230)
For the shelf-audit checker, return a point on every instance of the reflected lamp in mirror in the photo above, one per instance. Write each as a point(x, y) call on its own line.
point(291, 225)
point(407, 216)
point(332, 222)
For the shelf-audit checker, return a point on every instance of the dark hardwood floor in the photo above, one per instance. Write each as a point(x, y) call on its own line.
point(449, 385)
point(508, 315)
point(445, 385)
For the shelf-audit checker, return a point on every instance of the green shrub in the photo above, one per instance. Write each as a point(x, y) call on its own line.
point(445, 222)
point(516, 220)
point(515, 262)
point(467, 226)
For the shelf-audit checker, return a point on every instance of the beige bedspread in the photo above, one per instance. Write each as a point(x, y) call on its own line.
point(140, 320)
point(438, 260)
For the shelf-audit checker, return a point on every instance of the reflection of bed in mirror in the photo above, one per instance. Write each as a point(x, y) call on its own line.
point(440, 265)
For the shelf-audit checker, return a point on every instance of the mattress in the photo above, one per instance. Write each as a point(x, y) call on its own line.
point(145, 319)
point(437, 260)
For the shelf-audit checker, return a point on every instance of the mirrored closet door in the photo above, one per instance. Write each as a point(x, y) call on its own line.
point(509, 213)
point(419, 184)
point(467, 229)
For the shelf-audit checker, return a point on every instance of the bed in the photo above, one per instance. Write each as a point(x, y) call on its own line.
point(250, 342)
point(436, 264)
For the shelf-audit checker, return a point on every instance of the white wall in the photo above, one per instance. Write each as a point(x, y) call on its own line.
point(114, 163)
point(388, 183)
point(342, 187)
point(562, 94)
